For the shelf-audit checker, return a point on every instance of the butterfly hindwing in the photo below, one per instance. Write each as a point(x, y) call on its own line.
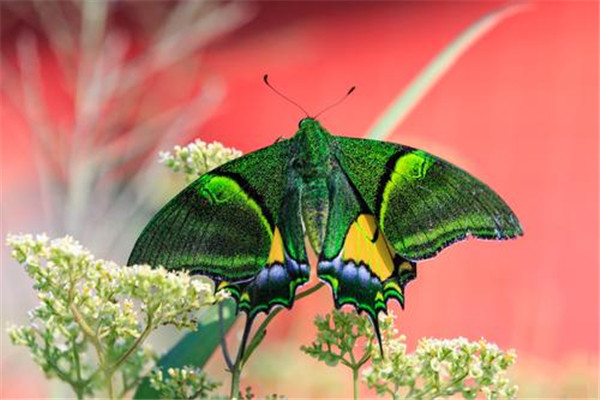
point(287, 265)
point(357, 261)
point(422, 203)
point(227, 225)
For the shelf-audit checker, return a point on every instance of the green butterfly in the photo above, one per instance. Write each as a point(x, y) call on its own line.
point(370, 210)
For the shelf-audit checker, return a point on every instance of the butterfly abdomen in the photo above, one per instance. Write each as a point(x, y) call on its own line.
point(315, 211)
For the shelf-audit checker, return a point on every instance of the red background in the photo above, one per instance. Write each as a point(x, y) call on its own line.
point(519, 110)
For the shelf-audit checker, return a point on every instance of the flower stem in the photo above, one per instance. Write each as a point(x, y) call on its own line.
point(133, 347)
point(241, 359)
point(235, 383)
point(109, 386)
point(263, 326)
point(355, 382)
point(224, 349)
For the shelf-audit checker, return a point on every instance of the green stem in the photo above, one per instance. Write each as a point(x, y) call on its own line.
point(224, 349)
point(236, 371)
point(239, 360)
point(355, 382)
point(61, 374)
point(259, 334)
point(235, 382)
point(133, 347)
point(76, 361)
point(109, 384)
point(438, 389)
point(309, 291)
point(88, 332)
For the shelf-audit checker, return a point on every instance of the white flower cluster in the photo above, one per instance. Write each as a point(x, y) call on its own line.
point(94, 315)
point(182, 383)
point(197, 158)
point(440, 368)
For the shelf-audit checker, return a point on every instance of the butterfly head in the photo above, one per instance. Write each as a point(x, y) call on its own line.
point(311, 133)
point(309, 124)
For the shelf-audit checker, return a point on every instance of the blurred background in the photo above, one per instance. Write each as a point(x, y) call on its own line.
point(91, 91)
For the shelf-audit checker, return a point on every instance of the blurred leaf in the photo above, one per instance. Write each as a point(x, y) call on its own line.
point(402, 105)
point(195, 348)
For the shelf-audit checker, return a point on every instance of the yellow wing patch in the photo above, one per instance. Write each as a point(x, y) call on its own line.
point(276, 255)
point(366, 244)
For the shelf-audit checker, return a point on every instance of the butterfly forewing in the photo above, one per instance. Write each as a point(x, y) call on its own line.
point(422, 203)
point(227, 225)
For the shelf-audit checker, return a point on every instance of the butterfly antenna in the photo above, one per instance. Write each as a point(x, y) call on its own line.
point(337, 102)
point(266, 79)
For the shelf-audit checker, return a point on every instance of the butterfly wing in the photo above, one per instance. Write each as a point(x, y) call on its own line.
point(422, 203)
point(357, 261)
point(228, 225)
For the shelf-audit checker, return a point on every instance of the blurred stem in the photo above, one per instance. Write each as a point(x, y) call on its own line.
point(355, 367)
point(261, 331)
point(133, 347)
point(235, 383)
point(224, 349)
point(109, 385)
point(257, 338)
point(355, 382)
point(78, 388)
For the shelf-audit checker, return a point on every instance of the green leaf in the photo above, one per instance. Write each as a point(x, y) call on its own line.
point(402, 105)
point(195, 349)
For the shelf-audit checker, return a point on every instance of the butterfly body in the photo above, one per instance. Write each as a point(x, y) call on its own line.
point(370, 210)
point(313, 162)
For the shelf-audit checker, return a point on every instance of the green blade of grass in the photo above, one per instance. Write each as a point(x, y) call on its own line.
point(406, 101)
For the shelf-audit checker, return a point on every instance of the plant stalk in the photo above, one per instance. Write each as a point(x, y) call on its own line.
point(236, 372)
point(109, 386)
point(355, 382)
point(241, 359)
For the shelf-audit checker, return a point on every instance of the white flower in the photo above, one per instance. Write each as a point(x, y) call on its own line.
point(85, 302)
point(197, 157)
point(475, 370)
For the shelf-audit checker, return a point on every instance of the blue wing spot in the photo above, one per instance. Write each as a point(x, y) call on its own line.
point(349, 272)
point(277, 274)
point(364, 277)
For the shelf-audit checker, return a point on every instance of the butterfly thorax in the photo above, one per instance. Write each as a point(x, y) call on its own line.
point(313, 164)
point(313, 155)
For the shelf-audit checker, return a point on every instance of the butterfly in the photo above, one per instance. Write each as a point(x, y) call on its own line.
point(370, 210)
